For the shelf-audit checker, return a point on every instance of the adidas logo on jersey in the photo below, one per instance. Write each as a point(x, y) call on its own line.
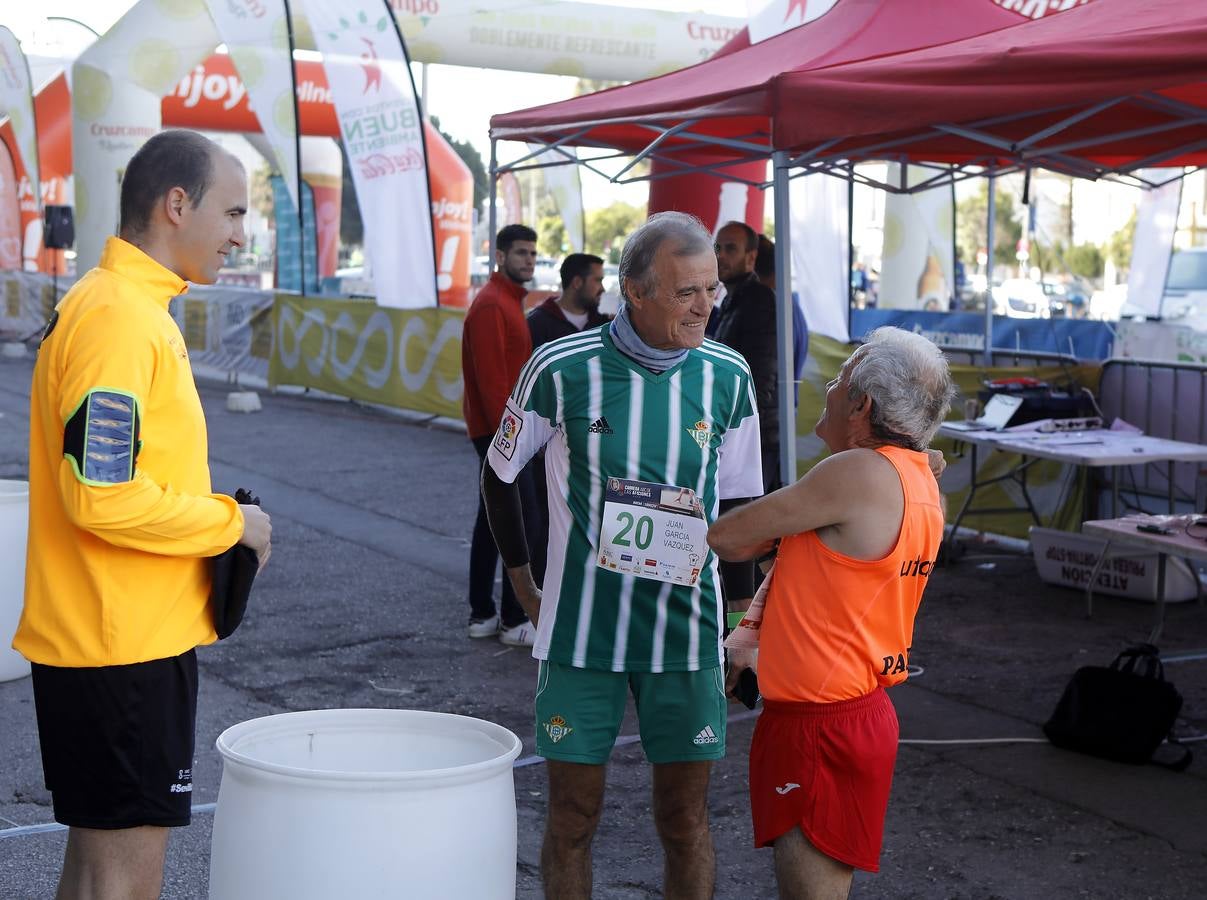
point(706, 736)
point(600, 426)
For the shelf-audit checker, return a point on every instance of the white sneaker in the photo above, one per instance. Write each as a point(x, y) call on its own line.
point(481, 628)
point(522, 635)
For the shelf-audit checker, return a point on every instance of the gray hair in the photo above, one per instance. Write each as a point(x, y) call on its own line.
point(907, 379)
point(637, 257)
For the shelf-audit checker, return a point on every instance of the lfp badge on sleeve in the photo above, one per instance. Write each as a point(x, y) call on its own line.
point(653, 531)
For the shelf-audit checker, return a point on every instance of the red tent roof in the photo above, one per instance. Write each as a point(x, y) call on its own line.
point(735, 89)
point(1134, 74)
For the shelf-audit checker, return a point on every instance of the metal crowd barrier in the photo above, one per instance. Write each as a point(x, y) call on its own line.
point(1004, 357)
point(1166, 400)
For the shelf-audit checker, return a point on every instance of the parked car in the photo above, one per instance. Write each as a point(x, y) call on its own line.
point(479, 270)
point(1067, 299)
point(609, 303)
point(1110, 304)
point(1020, 298)
point(1184, 301)
point(547, 275)
point(1185, 298)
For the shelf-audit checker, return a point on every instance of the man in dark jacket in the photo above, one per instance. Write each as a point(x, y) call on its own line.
point(577, 309)
point(746, 322)
point(764, 267)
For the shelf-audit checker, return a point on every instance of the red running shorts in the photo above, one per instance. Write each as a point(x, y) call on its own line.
point(827, 768)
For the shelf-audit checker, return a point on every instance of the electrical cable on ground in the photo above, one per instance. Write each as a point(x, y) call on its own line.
point(626, 740)
point(622, 741)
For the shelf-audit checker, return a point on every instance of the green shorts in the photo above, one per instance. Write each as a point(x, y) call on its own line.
point(681, 715)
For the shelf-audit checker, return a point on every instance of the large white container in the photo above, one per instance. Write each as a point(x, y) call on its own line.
point(14, 523)
point(364, 804)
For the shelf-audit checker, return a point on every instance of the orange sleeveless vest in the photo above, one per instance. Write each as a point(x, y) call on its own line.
point(836, 628)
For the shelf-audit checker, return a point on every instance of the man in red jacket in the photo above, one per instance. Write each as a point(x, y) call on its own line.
point(495, 344)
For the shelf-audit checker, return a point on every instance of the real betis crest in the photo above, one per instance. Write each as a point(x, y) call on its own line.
point(557, 728)
point(701, 433)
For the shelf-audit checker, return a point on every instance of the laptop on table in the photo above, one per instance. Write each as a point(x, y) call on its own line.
point(998, 412)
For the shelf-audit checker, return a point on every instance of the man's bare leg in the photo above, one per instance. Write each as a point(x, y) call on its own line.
point(117, 864)
point(575, 802)
point(805, 873)
point(681, 816)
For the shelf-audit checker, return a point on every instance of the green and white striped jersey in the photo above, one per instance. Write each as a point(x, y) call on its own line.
point(603, 416)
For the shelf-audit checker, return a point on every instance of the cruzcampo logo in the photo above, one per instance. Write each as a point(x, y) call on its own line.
point(557, 728)
point(701, 433)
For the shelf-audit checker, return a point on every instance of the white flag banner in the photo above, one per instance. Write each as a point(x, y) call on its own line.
point(256, 34)
point(918, 262)
point(17, 102)
point(382, 128)
point(565, 185)
point(1156, 222)
point(771, 17)
point(820, 244)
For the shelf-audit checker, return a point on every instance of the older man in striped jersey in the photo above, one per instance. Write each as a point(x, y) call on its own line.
point(649, 430)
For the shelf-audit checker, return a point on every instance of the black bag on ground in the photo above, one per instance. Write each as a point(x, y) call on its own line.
point(1122, 712)
point(232, 572)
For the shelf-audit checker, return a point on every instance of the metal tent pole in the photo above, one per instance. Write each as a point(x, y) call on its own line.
point(492, 216)
point(851, 249)
point(783, 309)
point(989, 273)
point(297, 153)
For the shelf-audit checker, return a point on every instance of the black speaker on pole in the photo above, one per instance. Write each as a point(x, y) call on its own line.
point(59, 230)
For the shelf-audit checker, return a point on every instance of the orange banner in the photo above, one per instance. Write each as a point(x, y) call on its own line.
point(213, 98)
point(52, 107)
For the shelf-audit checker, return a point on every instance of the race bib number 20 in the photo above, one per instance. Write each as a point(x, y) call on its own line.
point(655, 531)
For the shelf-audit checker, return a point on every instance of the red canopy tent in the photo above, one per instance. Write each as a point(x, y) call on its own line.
point(1103, 89)
point(726, 104)
point(1099, 90)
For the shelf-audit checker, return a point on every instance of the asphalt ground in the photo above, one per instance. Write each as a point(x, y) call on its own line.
point(363, 605)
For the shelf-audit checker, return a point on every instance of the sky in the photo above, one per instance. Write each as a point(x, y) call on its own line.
point(463, 99)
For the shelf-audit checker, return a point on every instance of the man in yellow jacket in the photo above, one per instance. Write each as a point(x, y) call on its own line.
point(123, 520)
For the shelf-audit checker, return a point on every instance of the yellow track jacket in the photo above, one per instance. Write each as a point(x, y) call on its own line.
point(121, 514)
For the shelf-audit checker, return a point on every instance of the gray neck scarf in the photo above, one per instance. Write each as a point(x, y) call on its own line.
point(628, 342)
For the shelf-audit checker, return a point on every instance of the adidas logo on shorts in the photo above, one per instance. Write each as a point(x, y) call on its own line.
point(706, 736)
point(600, 426)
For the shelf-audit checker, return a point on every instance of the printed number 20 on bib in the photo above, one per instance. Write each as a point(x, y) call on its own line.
point(655, 531)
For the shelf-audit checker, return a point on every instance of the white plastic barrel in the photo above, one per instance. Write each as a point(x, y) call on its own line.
point(365, 803)
point(14, 522)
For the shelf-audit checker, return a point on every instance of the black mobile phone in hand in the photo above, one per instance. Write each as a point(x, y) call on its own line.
point(747, 688)
point(244, 496)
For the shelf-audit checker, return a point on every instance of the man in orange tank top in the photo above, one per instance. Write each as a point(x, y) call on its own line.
point(857, 537)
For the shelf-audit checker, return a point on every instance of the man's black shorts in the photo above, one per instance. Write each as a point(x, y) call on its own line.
point(117, 741)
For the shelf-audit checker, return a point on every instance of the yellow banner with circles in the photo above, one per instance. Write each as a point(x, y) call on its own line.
point(405, 358)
